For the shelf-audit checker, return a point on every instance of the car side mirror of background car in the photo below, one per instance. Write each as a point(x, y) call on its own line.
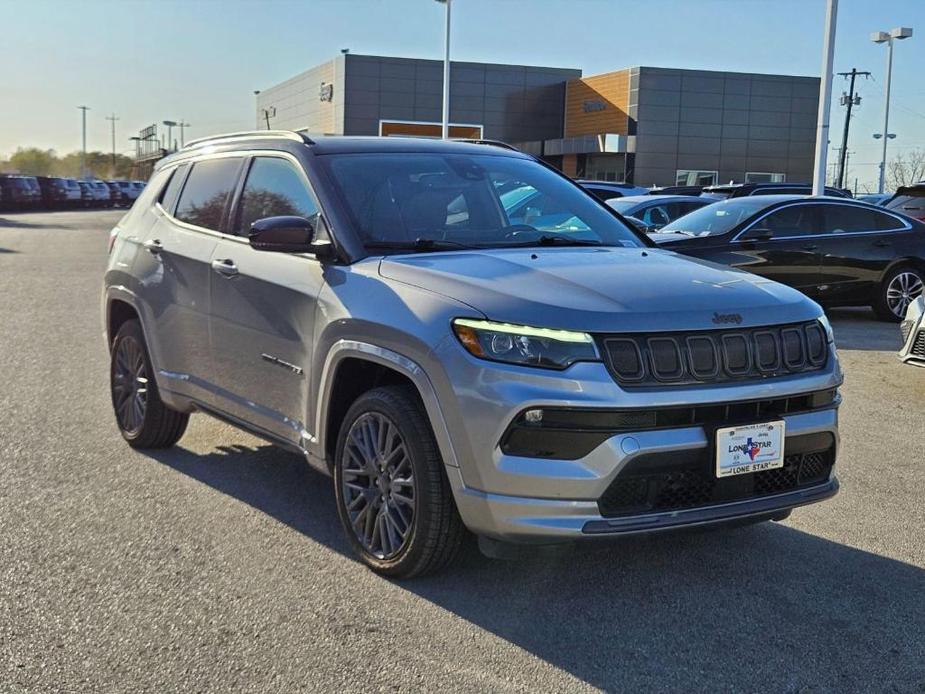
point(288, 234)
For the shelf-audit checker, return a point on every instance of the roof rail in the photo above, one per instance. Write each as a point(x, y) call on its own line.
point(248, 134)
point(492, 143)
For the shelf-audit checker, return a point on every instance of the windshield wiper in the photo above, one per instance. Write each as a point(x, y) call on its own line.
point(420, 245)
point(675, 231)
point(547, 240)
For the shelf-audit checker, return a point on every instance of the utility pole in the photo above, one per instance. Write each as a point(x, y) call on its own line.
point(848, 100)
point(113, 118)
point(825, 99)
point(83, 147)
point(182, 125)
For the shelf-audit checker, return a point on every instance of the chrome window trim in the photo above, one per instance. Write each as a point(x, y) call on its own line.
point(906, 225)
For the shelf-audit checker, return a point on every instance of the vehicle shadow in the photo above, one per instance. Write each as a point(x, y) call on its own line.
point(759, 608)
point(860, 329)
point(7, 250)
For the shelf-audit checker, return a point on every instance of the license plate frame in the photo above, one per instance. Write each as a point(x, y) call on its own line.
point(745, 449)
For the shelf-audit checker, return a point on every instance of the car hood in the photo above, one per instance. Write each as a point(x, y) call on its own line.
point(601, 289)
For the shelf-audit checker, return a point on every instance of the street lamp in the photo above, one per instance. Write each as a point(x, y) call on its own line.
point(888, 37)
point(445, 129)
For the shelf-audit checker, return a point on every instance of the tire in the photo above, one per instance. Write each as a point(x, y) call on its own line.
point(899, 288)
point(369, 501)
point(149, 423)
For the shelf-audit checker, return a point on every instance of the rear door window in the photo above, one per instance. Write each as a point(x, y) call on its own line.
point(274, 188)
point(206, 192)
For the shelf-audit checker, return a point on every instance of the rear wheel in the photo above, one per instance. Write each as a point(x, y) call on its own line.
point(393, 498)
point(143, 419)
point(899, 288)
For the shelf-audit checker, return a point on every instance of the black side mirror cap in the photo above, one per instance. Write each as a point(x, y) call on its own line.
point(284, 234)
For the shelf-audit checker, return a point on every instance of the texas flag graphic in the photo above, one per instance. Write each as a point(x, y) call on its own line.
point(752, 449)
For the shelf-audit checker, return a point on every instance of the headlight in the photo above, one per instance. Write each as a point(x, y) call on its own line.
point(827, 327)
point(520, 344)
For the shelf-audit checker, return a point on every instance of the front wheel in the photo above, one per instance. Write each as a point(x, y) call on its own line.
point(393, 498)
point(143, 419)
point(899, 288)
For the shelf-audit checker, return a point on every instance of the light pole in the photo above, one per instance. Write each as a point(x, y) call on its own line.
point(183, 125)
point(113, 118)
point(170, 124)
point(825, 99)
point(887, 37)
point(445, 129)
point(83, 146)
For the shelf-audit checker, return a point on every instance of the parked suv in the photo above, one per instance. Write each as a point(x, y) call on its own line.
point(367, 303)
point(19, 192)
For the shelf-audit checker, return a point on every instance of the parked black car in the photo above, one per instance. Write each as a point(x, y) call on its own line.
point(655, 211)
point(909, 200)
point(19, 192)
point(741, 190)
point(839, 252)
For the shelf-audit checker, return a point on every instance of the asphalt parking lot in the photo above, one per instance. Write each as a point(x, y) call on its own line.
point(220, 565)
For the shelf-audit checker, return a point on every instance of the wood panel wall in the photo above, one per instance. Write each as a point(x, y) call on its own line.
point(612, 89)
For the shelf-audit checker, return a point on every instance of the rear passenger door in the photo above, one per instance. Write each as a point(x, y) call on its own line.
point(174, 273)
point(858, 244)
point(263, 305)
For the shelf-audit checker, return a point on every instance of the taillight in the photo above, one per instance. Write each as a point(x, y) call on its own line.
point(112, 238)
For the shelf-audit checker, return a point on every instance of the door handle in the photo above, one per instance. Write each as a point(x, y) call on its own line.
point(883, 243)
point(810, 247)
point(225, 267)
point(153, 246)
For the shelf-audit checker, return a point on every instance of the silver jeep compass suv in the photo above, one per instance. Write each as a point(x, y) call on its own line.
point(464, 339)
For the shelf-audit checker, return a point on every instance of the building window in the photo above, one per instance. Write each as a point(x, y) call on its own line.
point(764, 177)
point(688, 177)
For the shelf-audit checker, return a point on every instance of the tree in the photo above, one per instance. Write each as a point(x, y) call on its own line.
point(34, 161)
point(905, 169)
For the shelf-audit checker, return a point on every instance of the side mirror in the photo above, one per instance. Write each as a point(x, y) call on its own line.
point(287, 234)
point(759, 235)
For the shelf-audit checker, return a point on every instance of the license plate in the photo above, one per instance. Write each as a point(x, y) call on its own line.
point(749, 448)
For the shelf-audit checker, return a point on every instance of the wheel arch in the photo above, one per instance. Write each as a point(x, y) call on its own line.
point(118, 312)
point(912, 261)
point(353, 368)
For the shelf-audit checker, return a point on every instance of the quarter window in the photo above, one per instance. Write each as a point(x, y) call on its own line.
point(206, 192)
point(169, 195)
point(274, 189)
point(689, 177)
point(845, 219)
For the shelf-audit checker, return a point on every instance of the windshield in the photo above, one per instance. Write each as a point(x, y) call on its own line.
point(435, 201)
point(717, 218)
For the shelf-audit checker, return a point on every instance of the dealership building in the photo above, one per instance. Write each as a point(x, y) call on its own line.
point(645, 125)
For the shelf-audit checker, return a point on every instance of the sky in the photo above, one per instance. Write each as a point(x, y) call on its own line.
point(201, 60)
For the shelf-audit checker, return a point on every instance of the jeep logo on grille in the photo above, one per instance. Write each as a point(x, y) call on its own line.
point(725, 318)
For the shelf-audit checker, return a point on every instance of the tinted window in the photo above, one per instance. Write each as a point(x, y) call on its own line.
point(168, 197)
point(604, 193)
point(841, 219)
point(796, 220)
point(781, 191)
point(913, 205)
point(206, 192)
point(274, 188)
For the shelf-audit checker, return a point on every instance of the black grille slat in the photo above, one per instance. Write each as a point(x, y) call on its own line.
point(694, 485)
point(918, 347)
point(715, 356)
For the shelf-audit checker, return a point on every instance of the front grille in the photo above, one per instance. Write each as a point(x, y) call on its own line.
point(714, 356)
point(640, 490)
point(918, 347)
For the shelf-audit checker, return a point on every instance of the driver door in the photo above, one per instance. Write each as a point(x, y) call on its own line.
point(263, 306)
point(783, 246)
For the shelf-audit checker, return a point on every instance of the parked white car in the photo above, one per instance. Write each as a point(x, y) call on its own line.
point(913, 333)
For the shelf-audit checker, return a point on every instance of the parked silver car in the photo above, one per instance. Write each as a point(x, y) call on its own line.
point(370, 304)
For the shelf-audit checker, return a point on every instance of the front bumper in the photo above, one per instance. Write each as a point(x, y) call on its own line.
point(541, 520)
point(913, 333)
point(541, 500)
